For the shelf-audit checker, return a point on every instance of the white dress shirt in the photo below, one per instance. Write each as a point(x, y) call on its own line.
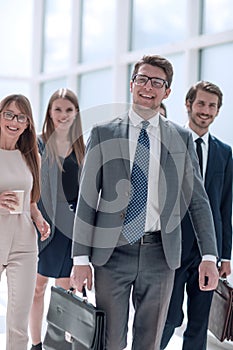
point(153, 130)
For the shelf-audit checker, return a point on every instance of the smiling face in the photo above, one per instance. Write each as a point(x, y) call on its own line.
point(11, 129)
point(63, 113)
point(202, 112)
point(146, 98)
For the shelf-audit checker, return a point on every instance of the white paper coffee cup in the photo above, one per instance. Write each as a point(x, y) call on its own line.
point(18, 209)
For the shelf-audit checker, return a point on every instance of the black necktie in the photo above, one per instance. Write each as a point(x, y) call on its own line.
point(199, 153)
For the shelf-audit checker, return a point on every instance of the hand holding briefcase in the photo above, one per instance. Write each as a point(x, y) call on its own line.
point(73, 323)
point(221, 311)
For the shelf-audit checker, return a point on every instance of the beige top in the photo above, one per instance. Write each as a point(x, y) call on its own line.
point(17, 232)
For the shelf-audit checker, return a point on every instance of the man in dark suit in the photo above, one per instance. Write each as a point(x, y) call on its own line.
point(127, 225)
point(203, 102)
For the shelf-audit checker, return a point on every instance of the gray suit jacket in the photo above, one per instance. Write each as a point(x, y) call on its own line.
point(48, 198)
point(105, 187)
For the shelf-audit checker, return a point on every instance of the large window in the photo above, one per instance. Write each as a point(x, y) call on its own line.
point(57, 33)
point(157, 22)
point(217, 16)
point(88, 46)
point(98, 29)
point(175, 101)
point(12, 86)
point(15, 29)
point(216, 67)
point(94, 92)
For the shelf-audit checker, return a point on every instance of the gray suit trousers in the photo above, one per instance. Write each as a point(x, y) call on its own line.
point(141, 270)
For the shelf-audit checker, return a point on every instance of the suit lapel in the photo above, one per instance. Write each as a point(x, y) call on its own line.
point(165, 141)
point(122, 133)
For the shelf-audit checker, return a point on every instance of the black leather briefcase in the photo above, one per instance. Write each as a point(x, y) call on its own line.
point(73, 323)
point(221, 312)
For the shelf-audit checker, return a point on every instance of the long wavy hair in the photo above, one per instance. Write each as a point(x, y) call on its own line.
point(75, 132)
point(27, 142)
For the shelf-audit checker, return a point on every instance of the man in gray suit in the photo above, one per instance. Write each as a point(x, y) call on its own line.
point(105, 216)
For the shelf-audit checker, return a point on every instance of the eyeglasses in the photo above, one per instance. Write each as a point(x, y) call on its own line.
point(140, 79)
point(19, 117)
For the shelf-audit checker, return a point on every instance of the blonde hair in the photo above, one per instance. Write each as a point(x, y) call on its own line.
point(75, 132)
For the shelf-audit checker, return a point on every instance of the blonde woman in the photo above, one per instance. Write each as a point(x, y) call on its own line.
point(62, 148)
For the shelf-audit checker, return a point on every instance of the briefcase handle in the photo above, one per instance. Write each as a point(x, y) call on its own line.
point(223, 277)
point(84, 293)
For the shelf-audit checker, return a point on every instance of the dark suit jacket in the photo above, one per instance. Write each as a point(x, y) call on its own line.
point(218, 185)
point(105, 187)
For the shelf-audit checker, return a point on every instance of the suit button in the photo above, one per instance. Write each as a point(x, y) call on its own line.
point(122, 215)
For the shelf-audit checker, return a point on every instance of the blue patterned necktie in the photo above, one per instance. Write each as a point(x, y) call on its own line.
point(199, 153)
point(134, 223)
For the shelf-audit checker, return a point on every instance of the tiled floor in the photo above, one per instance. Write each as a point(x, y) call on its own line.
point(175, 343)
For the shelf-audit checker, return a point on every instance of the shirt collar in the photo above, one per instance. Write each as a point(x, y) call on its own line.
point(205, 137)
point(135, 119)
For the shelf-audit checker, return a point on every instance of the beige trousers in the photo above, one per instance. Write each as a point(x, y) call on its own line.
point(21, 279)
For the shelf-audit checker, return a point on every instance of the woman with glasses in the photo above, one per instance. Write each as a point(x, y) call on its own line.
point(19, 161)
point(62, 148)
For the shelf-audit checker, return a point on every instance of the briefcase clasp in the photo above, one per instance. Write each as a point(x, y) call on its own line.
point(68, 337)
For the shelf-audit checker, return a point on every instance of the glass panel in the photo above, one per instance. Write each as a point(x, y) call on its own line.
point(98, 22)
point(16, 30)
point(175, 101)
point(130, 72)
point(57, 31)
point(216, 65)
point(217, 16)
point(157, 22)
point(8, 87)
point(95, 97)
point(47, 89)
